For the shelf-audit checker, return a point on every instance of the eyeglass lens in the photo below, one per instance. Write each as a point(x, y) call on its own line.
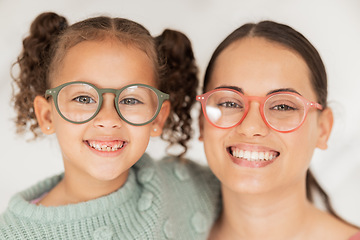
point(283, 112)
point(79, 102)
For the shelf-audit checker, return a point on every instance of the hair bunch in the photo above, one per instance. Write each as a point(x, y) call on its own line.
point(180, 80)
point(33, 63)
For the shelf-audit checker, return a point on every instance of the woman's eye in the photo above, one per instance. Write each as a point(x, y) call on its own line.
point(283, 107)
point(229, 105)
point(84, 99)
point(130, 101)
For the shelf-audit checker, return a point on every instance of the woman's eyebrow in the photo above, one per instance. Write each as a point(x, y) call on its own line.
point(231, 87)
point(283, 90)
point(270, 92)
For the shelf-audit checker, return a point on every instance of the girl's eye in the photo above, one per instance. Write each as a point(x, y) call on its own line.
point(229, 104)
point(84, 99)
point(130, 101)
point(283, 107)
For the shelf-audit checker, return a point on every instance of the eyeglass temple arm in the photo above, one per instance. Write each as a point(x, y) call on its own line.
point(315, 105)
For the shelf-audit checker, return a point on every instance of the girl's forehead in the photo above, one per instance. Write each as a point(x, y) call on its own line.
point(106, 63)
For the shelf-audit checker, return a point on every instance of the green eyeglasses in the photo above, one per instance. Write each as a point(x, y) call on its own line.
point(79, 102)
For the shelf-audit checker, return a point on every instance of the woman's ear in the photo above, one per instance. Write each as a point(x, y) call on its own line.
point(201, 126)
point(43, 114)
point(160, 120)
point(325, 124)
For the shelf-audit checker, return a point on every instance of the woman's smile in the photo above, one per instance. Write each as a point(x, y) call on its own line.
point(252, 156)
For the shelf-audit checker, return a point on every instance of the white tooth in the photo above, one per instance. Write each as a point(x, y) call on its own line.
point(234, 152)
point(108, 149)
point(237, 153)
point(266, 156)
point(247, 155)
point(241, 153)
point(254, 156)
point(261, 155)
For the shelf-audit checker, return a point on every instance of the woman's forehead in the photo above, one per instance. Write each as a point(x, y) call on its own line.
point(258, 66)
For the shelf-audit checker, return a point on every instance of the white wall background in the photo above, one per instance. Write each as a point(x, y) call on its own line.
point(333, 26)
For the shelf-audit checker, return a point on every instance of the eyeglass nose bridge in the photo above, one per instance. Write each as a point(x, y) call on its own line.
point(260, 100)
point(107, 90)
point(101, 92)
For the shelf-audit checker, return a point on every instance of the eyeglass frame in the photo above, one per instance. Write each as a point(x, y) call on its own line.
point(247, 99)
point(54, 92)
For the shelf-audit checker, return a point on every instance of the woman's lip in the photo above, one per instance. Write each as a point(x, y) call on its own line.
point(252, 148)
point(253, 156)
point(251, 164)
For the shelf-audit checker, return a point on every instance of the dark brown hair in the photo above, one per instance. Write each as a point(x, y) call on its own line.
point(175, 52)
point(50, 38)
point(292, 39)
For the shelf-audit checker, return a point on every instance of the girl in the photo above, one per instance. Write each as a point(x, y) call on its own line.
point(265, 113)
point(94, 84)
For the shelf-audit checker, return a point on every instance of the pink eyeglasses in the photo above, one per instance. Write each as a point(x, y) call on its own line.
point(282, 111)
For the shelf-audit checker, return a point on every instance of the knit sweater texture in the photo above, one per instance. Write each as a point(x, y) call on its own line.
point(167, 199)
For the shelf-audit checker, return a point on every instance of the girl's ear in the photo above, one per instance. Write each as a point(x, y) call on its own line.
point(159, 122)
point(43, 114)
point(325, 124)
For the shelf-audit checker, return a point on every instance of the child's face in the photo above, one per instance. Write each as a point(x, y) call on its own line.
point(259, 67)
point(105, 64)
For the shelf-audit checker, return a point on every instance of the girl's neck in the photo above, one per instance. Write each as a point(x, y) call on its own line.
point(76, 188)
point(278, 215)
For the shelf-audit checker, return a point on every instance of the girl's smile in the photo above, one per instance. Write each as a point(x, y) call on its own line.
point(106, 147)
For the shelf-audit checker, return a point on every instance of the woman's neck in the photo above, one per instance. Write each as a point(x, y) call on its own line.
point(281, 214)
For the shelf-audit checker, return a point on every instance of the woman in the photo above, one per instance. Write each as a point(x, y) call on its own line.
point(264, 113)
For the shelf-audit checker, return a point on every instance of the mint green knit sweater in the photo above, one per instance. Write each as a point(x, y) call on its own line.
point(163, 199)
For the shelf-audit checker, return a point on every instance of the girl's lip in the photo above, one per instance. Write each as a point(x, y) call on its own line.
point(106, 146)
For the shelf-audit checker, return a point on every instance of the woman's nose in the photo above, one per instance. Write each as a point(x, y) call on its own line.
point(253, 124)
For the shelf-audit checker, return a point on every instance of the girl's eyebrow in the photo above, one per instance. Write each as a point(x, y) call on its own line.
point(270, 92)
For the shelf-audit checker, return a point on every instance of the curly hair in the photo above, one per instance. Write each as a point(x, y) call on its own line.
point(181, 81)
point(50, 38)
point(33, 63)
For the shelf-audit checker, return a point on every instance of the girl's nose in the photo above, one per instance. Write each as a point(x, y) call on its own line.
point(253, 124)
point(108, 117)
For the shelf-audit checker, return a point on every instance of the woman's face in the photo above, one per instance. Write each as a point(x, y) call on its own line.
point(258, 67)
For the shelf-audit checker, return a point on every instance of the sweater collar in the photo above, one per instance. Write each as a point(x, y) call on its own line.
point(21, 206)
